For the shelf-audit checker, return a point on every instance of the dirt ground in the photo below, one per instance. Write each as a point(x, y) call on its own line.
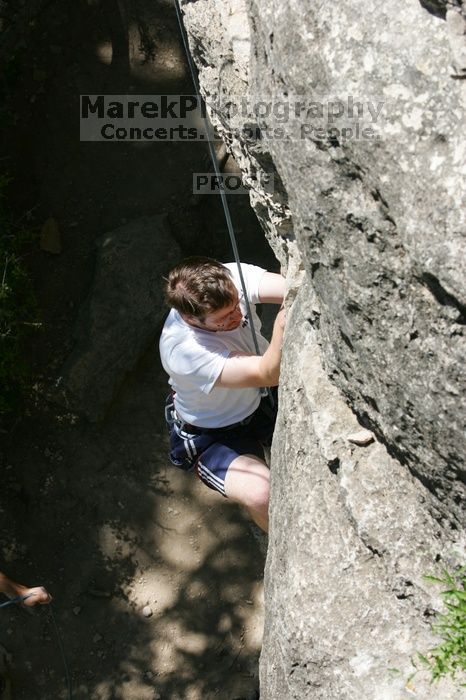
point(157, 581)
point(99, 516)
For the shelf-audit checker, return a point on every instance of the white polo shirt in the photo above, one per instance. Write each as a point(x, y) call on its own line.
point(194, 359)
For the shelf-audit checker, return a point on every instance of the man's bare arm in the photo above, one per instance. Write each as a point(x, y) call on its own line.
point(271, 288)
point(242, 371)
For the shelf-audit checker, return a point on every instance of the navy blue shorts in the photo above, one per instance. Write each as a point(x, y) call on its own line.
point(210, 453)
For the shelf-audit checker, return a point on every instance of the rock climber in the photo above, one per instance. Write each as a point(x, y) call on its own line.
point(218, 419)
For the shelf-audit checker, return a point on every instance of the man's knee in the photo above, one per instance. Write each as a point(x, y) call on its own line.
point(248, 482)
point(258, 497)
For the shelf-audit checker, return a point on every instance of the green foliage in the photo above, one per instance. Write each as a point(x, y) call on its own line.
point(448, 658)
point(18, 307)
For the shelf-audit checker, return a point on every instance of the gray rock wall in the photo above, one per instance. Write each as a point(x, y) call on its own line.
point(365, 139)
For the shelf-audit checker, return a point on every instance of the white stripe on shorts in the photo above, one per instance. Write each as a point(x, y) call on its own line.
point(211, 478)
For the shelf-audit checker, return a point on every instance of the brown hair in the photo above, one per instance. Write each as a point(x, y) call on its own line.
point(197, 286)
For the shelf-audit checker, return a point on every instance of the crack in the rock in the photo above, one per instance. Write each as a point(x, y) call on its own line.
point(334, 465)
point(442, 296)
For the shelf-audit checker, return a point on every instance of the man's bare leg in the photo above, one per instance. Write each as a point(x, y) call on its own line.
point(247, 482)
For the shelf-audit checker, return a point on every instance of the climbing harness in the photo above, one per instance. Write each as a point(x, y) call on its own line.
point(19, 599)
point(265, 391)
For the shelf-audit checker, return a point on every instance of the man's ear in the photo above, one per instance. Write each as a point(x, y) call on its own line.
point(192, 320)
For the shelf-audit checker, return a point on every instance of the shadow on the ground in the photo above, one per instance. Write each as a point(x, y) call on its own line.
point(111, 527)
point(96, 512)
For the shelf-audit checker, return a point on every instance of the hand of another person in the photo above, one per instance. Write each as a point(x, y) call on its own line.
point(35, 596)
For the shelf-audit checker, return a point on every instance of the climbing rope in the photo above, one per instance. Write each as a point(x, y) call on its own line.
point(210, 142)
point(62, 652)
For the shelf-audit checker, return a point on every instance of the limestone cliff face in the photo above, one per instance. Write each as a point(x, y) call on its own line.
point(357, 110)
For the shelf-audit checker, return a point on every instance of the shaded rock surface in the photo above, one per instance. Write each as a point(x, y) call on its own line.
point(124, 310)
point(369, 227)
